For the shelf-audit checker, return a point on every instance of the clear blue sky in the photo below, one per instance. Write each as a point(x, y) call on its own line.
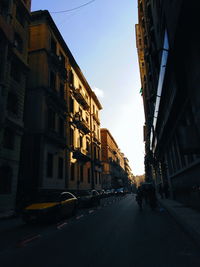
point(101, 36)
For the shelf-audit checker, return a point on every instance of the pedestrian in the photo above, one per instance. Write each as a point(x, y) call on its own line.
point(166, 190)
point(139, 197)
point(152, 197)
point(160, 190)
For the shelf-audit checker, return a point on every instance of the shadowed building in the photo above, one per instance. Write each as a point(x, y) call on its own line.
point(14, 21)
point(62, 117)
point(168, 50)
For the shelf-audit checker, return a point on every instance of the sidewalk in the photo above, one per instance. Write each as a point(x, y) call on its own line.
point(187, 218)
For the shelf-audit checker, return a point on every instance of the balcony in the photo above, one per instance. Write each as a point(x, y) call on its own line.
point(95, 138)
point(56, 97)
point(57, 61)
point(81, 154)
point(81, 123)
point(6, 28)
point(81, 99)
point(95, 116)
point(55, 138)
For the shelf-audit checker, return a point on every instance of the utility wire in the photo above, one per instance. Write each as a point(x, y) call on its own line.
point(68, 10)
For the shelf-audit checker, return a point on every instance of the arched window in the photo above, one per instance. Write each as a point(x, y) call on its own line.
point(5, 179)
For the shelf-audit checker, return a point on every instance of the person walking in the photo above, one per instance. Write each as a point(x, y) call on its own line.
point(139, 197)
point(152, 197)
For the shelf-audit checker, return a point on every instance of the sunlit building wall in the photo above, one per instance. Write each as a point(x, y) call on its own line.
point(113, 174)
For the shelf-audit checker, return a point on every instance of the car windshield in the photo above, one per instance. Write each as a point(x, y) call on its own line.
point(83, 193)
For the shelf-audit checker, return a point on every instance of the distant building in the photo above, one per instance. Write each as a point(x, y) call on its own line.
point(168, 51)
point(113, 175)
point(14, 22)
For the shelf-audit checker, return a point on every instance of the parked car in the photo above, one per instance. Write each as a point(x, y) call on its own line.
point(88, 198)
point(108, 192)
point(119, 191)
point(47, 207)
point(102, 193)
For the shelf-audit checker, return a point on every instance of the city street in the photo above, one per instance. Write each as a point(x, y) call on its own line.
point(116, 233)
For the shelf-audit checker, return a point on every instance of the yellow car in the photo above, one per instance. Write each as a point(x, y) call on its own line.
point(49, 207)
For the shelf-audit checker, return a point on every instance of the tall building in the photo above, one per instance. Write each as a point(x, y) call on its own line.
point(113, 174)
point(62, 140)
point(84, 131)
point(14, 22)
point(168, 51)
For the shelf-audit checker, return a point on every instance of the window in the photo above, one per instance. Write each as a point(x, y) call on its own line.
point(53, 45)
point(93, 109)
point(51, 119)
point(99, 178)
point(95, 177)
point(95, 152)
point(71, 105)
point(62, 59)
point(87, 119)
point(88, 175)
point(61, 127)
point(62, 90)
point(12, 103)
point(15, 71)
point(81, 112)
point(18, 43)
point(72, 171)
point(71, 78)
point(71, 137)
point(87, 145)
point(81, 173)
point(9, 139)
point(49, 165)
point(81, 141)
point(5, 180)
point(60, 168)
point(20, 16)
point(52, 80)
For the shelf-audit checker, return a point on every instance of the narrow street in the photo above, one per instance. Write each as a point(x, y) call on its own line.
point(117, 234)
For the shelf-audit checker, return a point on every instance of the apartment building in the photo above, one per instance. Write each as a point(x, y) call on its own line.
point(113, 175)
point(14, 22)
point(84, 133)
point(169, 44)
point(44, 147)
point(59, 143)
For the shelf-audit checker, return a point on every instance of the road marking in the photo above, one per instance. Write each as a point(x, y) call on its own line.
point(78, 217)
point(26, 241)
point(61, 225)
point(90, 211)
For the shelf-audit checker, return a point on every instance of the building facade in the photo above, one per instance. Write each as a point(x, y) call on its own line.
point(14, 22)
point(113, 175)
point(169, 44)
point(84, 132)
point(59, 150)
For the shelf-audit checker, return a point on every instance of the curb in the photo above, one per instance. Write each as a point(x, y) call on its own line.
point(186, 227)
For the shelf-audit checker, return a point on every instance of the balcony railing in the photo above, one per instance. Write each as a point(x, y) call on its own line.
point(81, 155)
point(81, 99)
point(95, 116)
point(56, 61)
point(56, 138)
point(81, 124)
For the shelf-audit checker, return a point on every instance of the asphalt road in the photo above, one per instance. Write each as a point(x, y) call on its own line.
point(116, 235)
